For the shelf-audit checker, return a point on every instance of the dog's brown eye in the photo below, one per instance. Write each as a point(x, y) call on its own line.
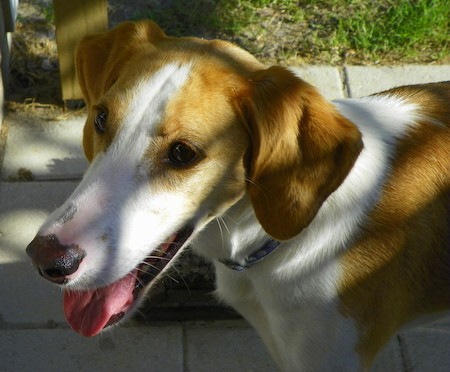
point(100, 121)
point(182, 154)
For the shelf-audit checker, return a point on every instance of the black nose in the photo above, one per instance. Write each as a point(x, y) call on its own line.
point(53, 260)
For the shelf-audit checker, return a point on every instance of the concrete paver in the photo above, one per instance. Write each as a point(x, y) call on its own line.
point(423, 348)
point(156, 349)
point(390, 358)
point(225, 348)
point(24, 297)
point(364, 80)
point(427, 348)
point(47, 149)
point(325, 78)
point(431, 353)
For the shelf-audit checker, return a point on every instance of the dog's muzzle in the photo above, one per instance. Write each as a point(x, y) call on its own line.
point(54, 261)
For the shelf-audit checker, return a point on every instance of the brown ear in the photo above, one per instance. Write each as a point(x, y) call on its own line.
point(301, 151)
point(101, 57)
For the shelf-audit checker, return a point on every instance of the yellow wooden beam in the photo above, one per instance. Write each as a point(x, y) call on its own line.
point(73, 20)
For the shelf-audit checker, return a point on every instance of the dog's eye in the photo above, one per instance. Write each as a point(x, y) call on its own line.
point(182, 154)
point(100, 121)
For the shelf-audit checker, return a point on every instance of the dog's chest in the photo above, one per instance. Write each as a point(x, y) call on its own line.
point(290, 297)
point(301, 323)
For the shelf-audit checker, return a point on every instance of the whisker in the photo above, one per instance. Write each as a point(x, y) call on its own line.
point(145, 271)
point(222, 219)
point(220, 228)
point(172, 278)
point(142, 316)
point(155, 258)
point(158, 250)
point(182, 278)
point(140, 282)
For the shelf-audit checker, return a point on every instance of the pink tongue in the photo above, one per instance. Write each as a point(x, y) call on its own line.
point(90, 311)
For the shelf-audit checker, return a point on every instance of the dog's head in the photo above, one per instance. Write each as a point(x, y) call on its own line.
point(178, 130)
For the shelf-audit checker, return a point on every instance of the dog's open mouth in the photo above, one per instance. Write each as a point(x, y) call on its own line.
point(88, 312)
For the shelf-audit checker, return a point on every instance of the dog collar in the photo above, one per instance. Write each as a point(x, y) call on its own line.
point(254, 258)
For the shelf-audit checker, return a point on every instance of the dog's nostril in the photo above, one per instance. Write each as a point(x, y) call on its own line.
point(54, 275)
point(53, 260)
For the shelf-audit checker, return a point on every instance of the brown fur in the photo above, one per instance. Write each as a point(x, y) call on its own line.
point(405, 246)
point(302, 151)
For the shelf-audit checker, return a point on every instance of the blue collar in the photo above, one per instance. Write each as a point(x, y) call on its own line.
point(254, 258)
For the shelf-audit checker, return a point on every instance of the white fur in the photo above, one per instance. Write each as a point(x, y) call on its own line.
point(112, 204)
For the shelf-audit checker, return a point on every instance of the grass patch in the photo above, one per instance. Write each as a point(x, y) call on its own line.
point(182, 18)
point(356, 31)
point(396, 28)
point(316, 31)
point(275, 31)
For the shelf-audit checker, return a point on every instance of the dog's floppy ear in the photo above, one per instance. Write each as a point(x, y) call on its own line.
point(301, 150)
point(100, 59)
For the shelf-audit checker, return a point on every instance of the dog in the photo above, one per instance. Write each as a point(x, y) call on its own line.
point(327, 223)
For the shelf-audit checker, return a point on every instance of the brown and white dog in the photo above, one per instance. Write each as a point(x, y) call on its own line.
point(196, 142)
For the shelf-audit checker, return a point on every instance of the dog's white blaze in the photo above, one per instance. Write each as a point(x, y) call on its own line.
point(312, 254)
point(119, 218)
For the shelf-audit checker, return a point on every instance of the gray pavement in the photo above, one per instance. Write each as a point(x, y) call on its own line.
point(42, 163)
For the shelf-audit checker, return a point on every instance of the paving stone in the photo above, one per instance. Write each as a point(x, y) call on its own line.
point(156, 349)
point(416, 349)
point(363, 80)
point(43, 150)
point(326, 79)
point(24, 296)
point(235, 347)
point(427, 348)
point(389, 358)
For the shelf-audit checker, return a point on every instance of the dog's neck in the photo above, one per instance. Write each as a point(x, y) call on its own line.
point(237, 235)
point(233, 236)
point(269, 247)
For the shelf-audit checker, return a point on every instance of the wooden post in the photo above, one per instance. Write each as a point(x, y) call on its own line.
point(8, 11)
point(73, 20)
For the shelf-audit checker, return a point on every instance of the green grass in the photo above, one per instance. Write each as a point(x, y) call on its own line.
point(327, 31)
point(403, 28)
